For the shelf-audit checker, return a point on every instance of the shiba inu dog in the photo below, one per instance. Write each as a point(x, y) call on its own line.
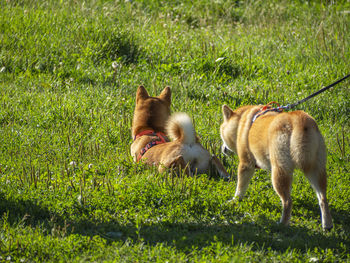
point(279, 142)
point(153, 126)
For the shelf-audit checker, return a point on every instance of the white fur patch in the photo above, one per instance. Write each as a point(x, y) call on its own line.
point(185, 123)
point(197, 156)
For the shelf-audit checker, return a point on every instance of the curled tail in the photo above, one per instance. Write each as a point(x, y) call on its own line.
point(180, 128)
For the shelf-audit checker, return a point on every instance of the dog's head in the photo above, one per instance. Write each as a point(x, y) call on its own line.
point(228, 130)
point(151, 112)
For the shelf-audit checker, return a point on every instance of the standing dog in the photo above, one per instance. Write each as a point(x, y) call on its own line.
point(279, 142)
point(151, 125)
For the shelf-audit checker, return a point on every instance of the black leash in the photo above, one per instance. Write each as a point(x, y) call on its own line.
point(268, 108)
point(290, 106)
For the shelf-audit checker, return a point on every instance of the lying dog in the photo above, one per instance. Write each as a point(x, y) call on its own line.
point(151, 125)
point(279, 142)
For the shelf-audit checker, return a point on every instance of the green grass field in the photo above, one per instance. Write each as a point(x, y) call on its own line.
point(69, 190)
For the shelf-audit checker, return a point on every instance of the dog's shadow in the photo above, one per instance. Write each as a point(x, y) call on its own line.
point(264, 233)
point(269, 234)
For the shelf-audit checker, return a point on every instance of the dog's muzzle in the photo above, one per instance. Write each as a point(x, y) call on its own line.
point(225, 150)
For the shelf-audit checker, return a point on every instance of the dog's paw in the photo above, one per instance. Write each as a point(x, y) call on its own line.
point(327, 228)
point(234, 200)
point(216, 164)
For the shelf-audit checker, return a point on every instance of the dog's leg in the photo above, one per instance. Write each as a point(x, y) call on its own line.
point(318, 181)
point(215, 162)
point(282, 183)
point(245, 173)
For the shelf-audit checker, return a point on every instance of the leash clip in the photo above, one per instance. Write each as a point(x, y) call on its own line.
point(287, 107)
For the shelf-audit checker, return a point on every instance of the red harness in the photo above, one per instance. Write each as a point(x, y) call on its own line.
point(161, 138)
point(266, 109)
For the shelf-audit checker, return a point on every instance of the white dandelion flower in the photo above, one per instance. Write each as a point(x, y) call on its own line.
point(114, 65)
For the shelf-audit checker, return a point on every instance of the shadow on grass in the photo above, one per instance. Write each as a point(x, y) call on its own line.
point(182, 236)
point(339, 216)
point(263, 235)
point(17, 210)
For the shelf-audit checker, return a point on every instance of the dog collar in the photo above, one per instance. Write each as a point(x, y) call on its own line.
point(161, 138)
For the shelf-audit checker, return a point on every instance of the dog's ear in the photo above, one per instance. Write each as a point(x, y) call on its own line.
point(166, 95)
point(227, 112)
point(141, 93)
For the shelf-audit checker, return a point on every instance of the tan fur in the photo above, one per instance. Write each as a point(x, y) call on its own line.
point(184, 151)
point(279, 142)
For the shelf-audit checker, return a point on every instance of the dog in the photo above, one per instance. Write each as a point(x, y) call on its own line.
point(280, 142)
point(152, 127)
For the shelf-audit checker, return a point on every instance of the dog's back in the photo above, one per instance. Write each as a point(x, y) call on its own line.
point(296, 138)
point(307, 145)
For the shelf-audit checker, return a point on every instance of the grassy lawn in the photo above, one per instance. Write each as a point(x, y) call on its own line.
point(69, 190)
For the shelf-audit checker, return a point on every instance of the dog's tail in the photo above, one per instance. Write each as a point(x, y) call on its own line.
point(180, 128)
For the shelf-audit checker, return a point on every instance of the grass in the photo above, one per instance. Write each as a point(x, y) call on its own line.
point(69, 190)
